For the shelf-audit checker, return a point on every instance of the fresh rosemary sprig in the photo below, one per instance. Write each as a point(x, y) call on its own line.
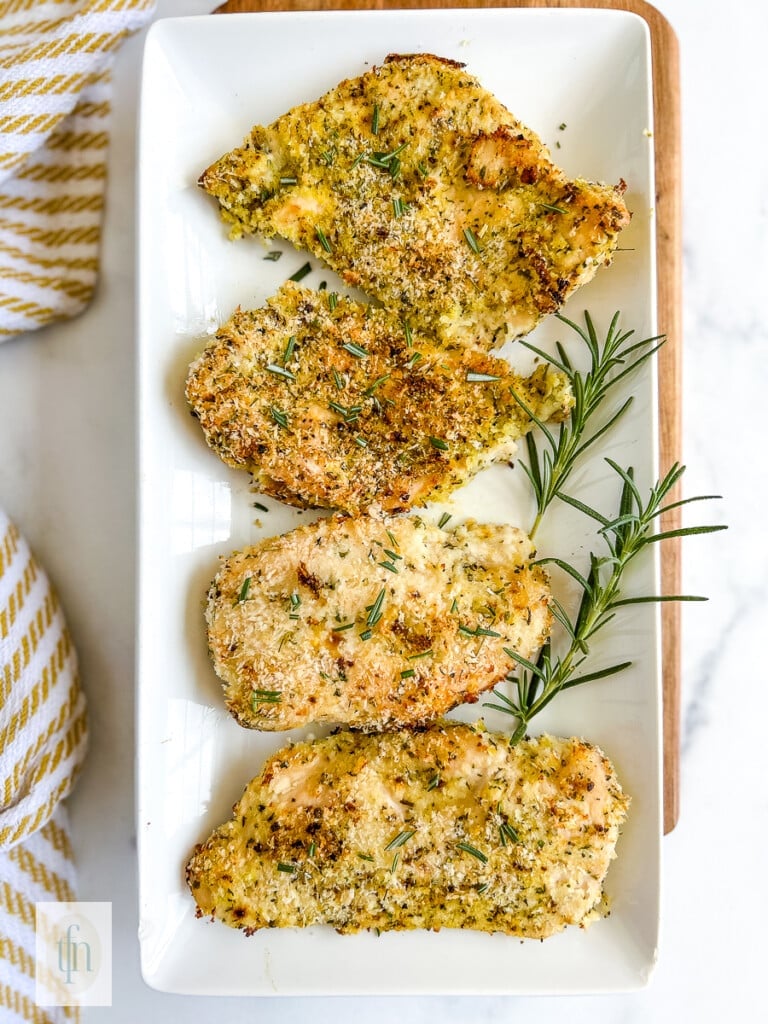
point(625, 535)
point(611, 361)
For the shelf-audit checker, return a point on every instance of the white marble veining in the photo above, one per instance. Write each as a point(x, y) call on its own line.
point(67, 477)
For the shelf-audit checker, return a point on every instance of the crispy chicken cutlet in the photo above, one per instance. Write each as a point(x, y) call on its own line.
point(419, 187)
point(446, 828)
point(331, 403)
point(375, 623)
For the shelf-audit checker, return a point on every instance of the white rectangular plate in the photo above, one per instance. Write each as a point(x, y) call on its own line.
point(581, 79)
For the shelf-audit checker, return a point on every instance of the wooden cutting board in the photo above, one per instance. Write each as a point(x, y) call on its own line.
point(666, 108)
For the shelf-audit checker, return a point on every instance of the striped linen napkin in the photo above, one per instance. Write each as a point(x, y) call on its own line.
point(55, 58)
point(43, 733)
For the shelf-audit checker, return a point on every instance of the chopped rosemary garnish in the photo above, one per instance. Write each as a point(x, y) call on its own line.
point(389, 565)
point(365, 856)
point(375, 119)
point(398, 206)
point(439, 443)
point(408, 334)
point(355, 350)
point(478, 631)
point(273, 256)
point(482, 888)
point(348, 413)
point(507, 834)
point(472, 241)
point(289, 869)
point(338, 379)
point(290, 346)
point(414, 359)
point(395, 861)
point(434, 782)
point(346, 625)
point(295, 600)
point(407, 673)
point(244, 590)
point(392, 539)
point(312, 850)
point(288, 180)
point(361, 442)
point(423, 654)
point(393, 554)
point(266, 697)
point(374, 613)
point(279, 417)
point(333, 301)
point(366, 634)
point(478, 378)
point(301, 273)
point(473, 851)
point(322, 239)
point(377, 384)
point(552, 209)
point(454, 606)
point(444, 518)
point(260, 507)
point(328, 156)
point(280, 371)
point(400, 839)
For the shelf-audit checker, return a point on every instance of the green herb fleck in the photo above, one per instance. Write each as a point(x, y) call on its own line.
point(374, 613)
point(280, 371)
point(289, 869)
point(472, 851)
point(279, 417)
point(478, 378)
point(266, 697)
point(400, 839)
point(375, 119)
point(301, 273)
point(355, 350)
point(437, 442)
point(472, 241)
point(273, 256)
point(407, 673)
point(322, 239)
point(507, 834)
point(291, 345)
point(444, 518)
point(244, 590)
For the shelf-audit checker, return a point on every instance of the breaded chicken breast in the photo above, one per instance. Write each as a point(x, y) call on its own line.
point(416, 185)
point(375, 623)
point(447, 828)
point(335, 404)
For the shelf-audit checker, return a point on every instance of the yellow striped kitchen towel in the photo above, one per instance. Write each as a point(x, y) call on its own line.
point(43, 733)
point(55, 59)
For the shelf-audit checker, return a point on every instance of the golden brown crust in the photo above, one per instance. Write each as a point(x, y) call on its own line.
point(383, 179)
point(446, 828)
point(394, 427)
point(375, 623)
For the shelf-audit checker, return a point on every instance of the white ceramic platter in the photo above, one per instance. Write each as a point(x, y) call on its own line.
point(205, 82)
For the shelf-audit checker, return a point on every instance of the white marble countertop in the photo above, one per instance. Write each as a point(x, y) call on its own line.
point(67, 477)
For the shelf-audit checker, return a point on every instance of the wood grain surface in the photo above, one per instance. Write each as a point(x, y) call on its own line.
point(666, 104)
